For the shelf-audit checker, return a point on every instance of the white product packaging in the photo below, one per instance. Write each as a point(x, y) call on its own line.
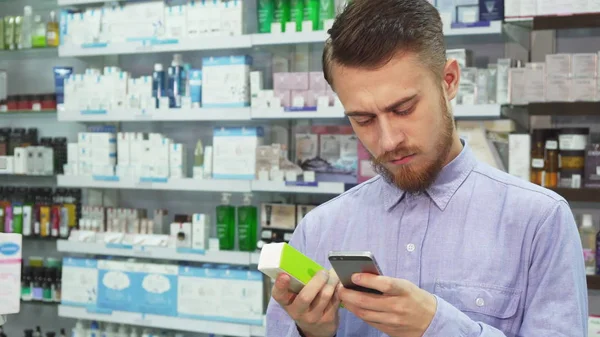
point(225, 82)
point(7, 164)
point(234, 154)
point(558, 89)
point(232, 17)
point(502, 91)
point(176, 22)
point(10, 272)
point(584, 65)
point(200, 231)
point(535, 84)
point(208, 162)
point(256, 83)
point(20, 160)
point(72, 153)
point(123, 148)
point(213, 10)
point(583, 89)
point(558, 65)
point(80, 282)
point(519, 157)
point(516, 79)
point(197, 19)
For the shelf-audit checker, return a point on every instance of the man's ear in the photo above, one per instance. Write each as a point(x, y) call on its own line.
point(451, 78)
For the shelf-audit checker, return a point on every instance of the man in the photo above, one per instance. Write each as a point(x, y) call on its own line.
point(466, 250)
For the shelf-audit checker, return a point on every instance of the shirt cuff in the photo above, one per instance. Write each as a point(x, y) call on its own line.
point(294, 331)
point(449, 321)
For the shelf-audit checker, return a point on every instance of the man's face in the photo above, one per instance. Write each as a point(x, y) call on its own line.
point(401, 115)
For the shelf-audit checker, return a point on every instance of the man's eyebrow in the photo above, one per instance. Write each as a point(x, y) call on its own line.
point(390, 107)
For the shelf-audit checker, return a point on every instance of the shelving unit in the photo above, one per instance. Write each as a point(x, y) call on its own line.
point(591, 20)
point(172, 184)
point(564, 109)
point(311, 188)
point(579, 194)
point(219, 257)
point(163, 322)
point(483, 111)
point(199, 114)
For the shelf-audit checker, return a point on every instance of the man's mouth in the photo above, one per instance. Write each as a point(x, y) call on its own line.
point(402, 160)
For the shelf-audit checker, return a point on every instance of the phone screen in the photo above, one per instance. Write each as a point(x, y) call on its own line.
point(346, 266)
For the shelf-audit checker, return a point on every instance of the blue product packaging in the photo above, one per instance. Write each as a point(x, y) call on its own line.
point(177, 82)
point(116, 280)
point(159, 85)
point(195, 83)
point(156, 288)
point(60, 74)
point(491, 10)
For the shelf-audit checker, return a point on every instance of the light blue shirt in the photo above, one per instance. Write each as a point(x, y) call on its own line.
point(502, 256)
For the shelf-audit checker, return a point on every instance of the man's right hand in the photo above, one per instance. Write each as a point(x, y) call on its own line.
point(315, 308)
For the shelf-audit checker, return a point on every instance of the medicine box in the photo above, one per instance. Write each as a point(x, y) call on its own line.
point(234, 155)
point(281, 258)
point(225, 82)
point(116, 290)
point(155, 287)
point(10, 272)
point(79, 282)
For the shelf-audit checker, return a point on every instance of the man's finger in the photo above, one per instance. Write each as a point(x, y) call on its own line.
point(280, 291)
point(387, 285)
point(362, 300)
point(324, 297)
point(307, 295)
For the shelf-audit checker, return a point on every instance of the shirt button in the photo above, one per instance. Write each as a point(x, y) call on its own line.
point(479, 302)
point(410, 247)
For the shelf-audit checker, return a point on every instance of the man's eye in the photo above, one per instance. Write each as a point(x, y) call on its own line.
point(363, 121)
point(403, 112)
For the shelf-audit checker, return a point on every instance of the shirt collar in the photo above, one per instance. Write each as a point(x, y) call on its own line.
point(445, 185)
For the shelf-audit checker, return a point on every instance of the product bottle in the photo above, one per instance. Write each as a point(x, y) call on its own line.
point(38, 38)
point(158, 83)
point(52, 35)
point(109, 330)
point(122, 331)
point(57, 295)
point(538, 140)
point(38, 332)
point(8, 219)
point(297, 13)
point(45, 224)
point(266, 10)
point(226, 223)
point(55, 214)
point(326, 12)
point(311, 13)
point(94, 329)
point(247, 225)
point(17, 212)
point(282, 12)
point(78, 330)
point(176, 85)
point(551, 166)
point(588, 240)
point(199, 160)
point(27, 28)
point(28, 215)
point(26, 284)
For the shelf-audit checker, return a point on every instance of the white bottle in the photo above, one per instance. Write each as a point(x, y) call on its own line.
point(122, 331)
point(134, 333)
point(109, 330)
point(588, 241)
point(78, 330)
point(26, 28)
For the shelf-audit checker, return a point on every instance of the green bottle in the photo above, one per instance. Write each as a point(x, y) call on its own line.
point(297, 15)
point(266, 10)
point(247, 224)
point(282, 13)
point(17, 218)
point(226, 223)
point(311, 13)
point(326, 12)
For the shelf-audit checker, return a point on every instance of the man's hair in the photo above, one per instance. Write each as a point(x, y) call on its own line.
point(369, 33)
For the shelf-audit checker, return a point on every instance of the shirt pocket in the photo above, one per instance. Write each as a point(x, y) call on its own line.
point(490, 304)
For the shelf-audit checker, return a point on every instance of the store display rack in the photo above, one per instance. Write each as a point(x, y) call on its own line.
point(162, 253)
point(483, 111)
point(163, 322)
point(579, 194)
point(201, 185)
point(588, 20)
point(230, 42)
point(564, 109)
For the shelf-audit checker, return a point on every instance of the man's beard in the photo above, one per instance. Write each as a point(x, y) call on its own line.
point(406, 177)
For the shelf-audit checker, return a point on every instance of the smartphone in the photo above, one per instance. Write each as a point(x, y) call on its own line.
point(347, 264)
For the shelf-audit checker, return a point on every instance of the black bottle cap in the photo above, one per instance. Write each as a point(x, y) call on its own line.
point(28, 333)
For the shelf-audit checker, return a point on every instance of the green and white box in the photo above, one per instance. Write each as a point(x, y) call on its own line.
point(278, 258)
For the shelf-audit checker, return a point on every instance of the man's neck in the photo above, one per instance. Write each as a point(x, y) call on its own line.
point(455, 149)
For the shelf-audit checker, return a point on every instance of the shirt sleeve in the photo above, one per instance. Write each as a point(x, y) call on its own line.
point(556, 303)
point(279, 323)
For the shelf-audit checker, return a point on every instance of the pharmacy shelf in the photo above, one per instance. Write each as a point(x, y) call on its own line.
point(79, 2)
point(564, 109)
point(579, 194)
point(273, 39)
point(162, 253)
point(482, 111)
point(280, 113)
point(158, 46)
point(290, 187)
point(574, 21)
point(163, 322)
point(494, 28)
point(171, 184)
point(27, 113)
point(199, 114)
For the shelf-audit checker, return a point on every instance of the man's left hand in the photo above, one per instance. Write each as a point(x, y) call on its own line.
point(404, 310)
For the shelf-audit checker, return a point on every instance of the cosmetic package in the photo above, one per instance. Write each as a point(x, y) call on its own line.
point(592, 163)
point(278, 222)
point(234, 152)
point(281, 258)
point(10, 272)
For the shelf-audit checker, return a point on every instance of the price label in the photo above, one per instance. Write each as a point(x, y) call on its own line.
point(3, 108)
point(537, 163)
point(36, 107)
